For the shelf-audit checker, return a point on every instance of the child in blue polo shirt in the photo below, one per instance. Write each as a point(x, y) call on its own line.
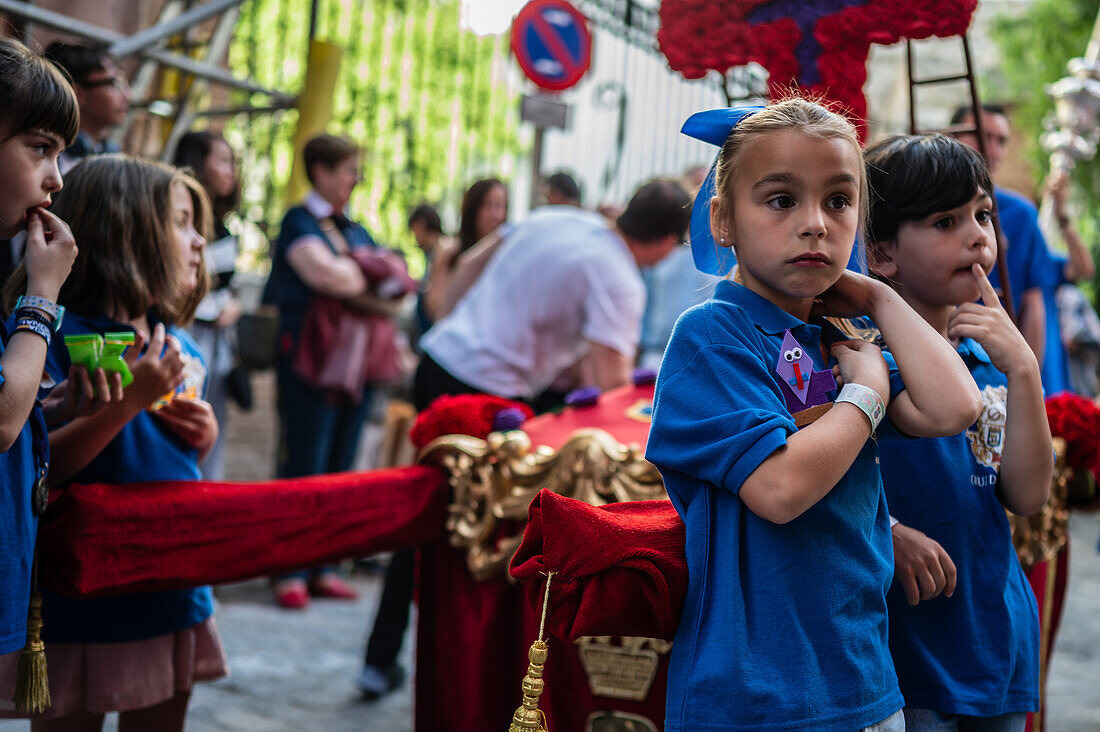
point(37, 120)
point(140, 268)
point(964, 628)
point(788, 539)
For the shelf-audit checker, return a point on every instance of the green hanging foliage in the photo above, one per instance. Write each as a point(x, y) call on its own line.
point(1035, 46)
point(425, 99)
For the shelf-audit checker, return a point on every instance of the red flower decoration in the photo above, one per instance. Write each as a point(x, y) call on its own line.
point(819, 46)
point(461, 414)
point(1077, 421)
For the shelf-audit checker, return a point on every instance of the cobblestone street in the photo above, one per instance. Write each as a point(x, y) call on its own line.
point(294, 671)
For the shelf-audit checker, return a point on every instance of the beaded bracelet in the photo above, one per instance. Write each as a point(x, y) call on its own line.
point(35, 314)
point(35, 326)
point(48, 307)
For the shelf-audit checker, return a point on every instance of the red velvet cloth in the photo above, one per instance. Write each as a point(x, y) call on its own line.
point(620, 568)
point(107, 539)
point(341, 349)
point(616, 412)
point(471, 656)
point(1050, 616)
point(473, 636)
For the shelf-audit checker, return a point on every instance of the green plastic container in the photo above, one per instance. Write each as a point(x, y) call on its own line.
point(114, 345)
point(85, 350)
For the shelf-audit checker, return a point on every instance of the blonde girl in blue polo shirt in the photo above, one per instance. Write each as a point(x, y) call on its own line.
point(964, 627)
point(140, 268)
point(788, 539)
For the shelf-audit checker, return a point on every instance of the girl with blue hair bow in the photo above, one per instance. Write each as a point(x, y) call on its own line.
point(773, 471)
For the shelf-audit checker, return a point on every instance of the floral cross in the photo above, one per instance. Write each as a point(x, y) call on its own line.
point(819, 46)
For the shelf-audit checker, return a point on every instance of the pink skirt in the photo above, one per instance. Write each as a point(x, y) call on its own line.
point(120, 677)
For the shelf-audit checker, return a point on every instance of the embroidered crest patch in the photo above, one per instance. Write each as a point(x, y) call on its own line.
point(987, 435)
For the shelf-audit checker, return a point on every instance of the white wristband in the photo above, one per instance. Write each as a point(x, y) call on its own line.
point(868, 401)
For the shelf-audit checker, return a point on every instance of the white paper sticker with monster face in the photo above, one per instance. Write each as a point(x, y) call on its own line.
point(795, 367)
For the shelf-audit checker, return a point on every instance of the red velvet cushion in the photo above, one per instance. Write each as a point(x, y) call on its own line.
point(620, 568)
point(107, 539)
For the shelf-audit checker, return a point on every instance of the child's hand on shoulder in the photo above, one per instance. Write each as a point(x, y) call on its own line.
point(990, 326)
point(191, 420)
point(860, 362)
point(50, 253)
point(156, 372)
point(850, 296)
point(80, 395)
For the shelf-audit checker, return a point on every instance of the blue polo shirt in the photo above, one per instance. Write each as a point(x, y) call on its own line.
point(142, 451)
point(17, 529)
point(1031, 264)
point(783, 626)
point(976, 652)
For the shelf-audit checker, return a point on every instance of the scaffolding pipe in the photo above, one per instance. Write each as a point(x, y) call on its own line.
point(99, 34)
point(155, 34)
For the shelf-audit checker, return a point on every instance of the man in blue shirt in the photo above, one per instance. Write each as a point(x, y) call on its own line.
point(1034, 273)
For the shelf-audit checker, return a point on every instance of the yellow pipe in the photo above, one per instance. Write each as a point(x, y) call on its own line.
point(314, 111)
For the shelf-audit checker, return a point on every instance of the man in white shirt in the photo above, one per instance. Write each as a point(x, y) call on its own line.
point(563, 290)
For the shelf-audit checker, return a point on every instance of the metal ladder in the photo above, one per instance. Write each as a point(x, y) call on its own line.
point(976, 128)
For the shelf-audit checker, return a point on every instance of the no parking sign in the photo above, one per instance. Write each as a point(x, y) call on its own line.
point(551, 41)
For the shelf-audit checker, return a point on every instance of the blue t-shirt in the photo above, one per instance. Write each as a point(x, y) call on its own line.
point(976, 652)
point(142, 451)
point(284, 287)
point(783, 626)
point(18, 472)
point(1030, 265)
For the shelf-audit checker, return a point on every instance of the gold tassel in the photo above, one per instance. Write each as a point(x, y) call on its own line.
point(32, 685)
point(528, 716)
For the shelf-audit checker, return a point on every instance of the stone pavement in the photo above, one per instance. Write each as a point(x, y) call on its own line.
point(294, 671)
point(1073, 689)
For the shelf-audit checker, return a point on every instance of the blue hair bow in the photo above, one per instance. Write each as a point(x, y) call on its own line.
point(713, 126)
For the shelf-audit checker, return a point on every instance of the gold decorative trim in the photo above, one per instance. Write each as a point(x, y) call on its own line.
point(621, 668)
point(493, 482)
point(1039, 538)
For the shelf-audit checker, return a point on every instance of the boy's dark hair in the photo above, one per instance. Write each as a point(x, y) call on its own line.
point(34, 95)
point(327, 150)
point(77, 60)
point(657, 209)
point(191, 153)
point(565, 186)
point(912, 177)
point(968, 111)
point(426, 213)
